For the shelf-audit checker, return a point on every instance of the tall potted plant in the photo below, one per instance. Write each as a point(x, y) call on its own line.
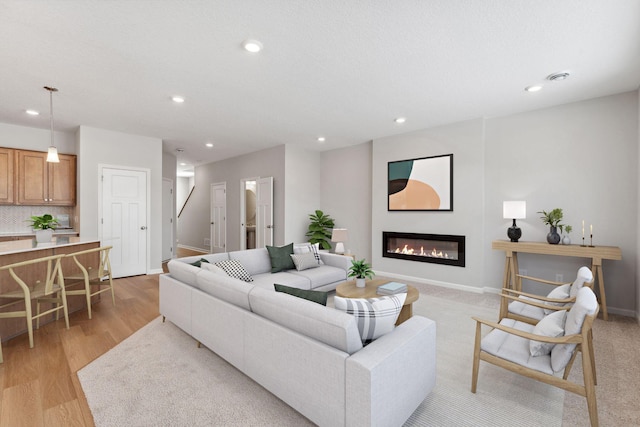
point(319, 229)
point(552, 219)
point(361, 271)
point(44, 225)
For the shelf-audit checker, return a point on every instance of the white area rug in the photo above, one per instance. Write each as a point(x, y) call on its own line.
point(159, 377)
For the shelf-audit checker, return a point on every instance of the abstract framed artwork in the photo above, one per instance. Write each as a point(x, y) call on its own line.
point(423, 184)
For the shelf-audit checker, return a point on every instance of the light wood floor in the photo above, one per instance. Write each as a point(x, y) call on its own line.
point(40, 386)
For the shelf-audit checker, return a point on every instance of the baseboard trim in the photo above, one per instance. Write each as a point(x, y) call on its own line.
point(155, 271)
point(613, 310)
point(193, 248)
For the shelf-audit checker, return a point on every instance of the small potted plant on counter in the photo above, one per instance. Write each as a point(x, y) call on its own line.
point(361, 271)
point(44, 225)
point(552, 219)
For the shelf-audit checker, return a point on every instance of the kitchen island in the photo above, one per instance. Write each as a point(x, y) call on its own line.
point(27, 249)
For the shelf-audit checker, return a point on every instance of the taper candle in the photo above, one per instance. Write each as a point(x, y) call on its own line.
point(583, 228)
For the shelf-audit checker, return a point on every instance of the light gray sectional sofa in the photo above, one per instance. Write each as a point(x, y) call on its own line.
point(309, 355)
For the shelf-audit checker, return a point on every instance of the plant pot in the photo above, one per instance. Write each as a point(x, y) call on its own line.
point(44, 236)
point(553, 237)
point(360, 283)
point(566, 240)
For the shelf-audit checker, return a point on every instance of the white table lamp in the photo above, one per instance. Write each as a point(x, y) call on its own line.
point(514, 210)
point(339, 235)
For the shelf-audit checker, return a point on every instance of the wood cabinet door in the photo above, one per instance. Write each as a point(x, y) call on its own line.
point(6, 175)
point(32, 177)
point(62, 181)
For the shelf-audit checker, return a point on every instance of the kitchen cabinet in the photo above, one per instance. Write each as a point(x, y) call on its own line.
point(7, 156)
point(41, 183)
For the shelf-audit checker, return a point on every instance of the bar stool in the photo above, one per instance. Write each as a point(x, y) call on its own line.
point(95, 270)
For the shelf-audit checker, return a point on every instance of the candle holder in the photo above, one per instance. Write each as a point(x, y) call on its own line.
point(591, 241)
point(583, 245)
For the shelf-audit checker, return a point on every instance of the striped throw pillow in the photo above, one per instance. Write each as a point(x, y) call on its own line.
point(375, 316)
point(304, 261)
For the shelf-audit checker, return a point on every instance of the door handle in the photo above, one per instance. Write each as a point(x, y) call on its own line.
point(269, 226)
point(143, 228)
point(212, 223)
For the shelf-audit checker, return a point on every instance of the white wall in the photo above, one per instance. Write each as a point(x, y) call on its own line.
point(27, 138)
point(193, 225)
point(302, 195)
point(638, 225)
point(583, 158)
point(346, 194)
point(103, 147)
point(464, 141)
point(169, 169)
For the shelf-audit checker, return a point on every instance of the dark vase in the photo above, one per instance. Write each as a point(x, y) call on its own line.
point(553, 237)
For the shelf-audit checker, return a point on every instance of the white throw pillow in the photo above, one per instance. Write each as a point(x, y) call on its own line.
point(561, 292)
point(213, 268)
point(234, 268)
point(303, 248)
point(304, 261)
point(551, 325)
point(375, 316)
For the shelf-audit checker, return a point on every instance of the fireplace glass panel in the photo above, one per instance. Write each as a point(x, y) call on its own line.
point(434, 248)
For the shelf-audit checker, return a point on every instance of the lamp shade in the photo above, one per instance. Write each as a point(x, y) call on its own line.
point(339, 235)
point(514, 209)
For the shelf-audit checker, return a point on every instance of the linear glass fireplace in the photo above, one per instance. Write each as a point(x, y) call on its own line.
point(435, 248)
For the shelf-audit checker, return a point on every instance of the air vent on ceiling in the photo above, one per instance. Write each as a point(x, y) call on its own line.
point(558, 76)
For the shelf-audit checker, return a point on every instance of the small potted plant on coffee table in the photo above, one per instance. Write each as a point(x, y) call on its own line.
point(361, 271)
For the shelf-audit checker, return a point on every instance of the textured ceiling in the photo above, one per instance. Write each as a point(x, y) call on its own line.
point(336, 68)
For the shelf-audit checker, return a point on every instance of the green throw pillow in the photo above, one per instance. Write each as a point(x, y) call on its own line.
point(281, 257)
point(315, 296)
point(200, 261)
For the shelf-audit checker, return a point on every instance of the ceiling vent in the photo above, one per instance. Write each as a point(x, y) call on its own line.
point(556, 77)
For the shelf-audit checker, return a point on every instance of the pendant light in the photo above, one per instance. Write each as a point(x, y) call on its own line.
point(52, 153)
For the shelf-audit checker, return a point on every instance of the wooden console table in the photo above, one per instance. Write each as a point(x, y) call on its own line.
point(596, 253)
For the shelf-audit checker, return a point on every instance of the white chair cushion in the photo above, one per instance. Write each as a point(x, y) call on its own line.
point(551, 325)
point(586, 304)
point(514, 348)
point(584, 275)
point(561, 292)
point(526, 310)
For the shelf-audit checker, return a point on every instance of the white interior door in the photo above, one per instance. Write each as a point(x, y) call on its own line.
point(264, 212)
point(218, 217)
point(168, 206)
point(124, 220)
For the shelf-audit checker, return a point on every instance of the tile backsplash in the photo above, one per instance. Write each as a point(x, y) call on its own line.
point(13, 219)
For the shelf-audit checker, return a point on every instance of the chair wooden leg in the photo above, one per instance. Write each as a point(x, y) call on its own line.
point(590, 389)
point(592, 357)
point(88, 296)
point(113, 294)
point(567, 369)
point(476, 359)
point(27, 308)
point(37, 314)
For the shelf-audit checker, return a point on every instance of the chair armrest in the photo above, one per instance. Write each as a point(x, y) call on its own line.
point(566, 339)
point(334, 260)
point(536, 279)
point(537, 297)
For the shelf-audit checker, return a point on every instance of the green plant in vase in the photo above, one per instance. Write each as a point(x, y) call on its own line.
point(361, 270)
point(319, 229)
point(566, 240)
point(552, 219)
point(44, 225)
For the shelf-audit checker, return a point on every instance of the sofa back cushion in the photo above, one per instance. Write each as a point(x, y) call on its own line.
point(324, 324)
point(255, 261)
point(229, 289)
point(184, 272)
point(212, 258)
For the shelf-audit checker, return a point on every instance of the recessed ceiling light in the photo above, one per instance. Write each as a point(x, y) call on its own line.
point(32, 112)
point(178, 99)
point(253, 46)
point(183, 164)
point(400, 120)
point(209, 144)
point(533, 88)
point(321, 139)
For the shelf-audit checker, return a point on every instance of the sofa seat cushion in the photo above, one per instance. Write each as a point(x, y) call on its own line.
point(229, 289)
point(320, 276)
point(267, 280)
point(325, 324)
point(255, 261)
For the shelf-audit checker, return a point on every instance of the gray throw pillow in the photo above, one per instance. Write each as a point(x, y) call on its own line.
point(281, 258)
point(315, 296)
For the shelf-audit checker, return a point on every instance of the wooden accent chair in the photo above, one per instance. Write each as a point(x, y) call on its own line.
point(44, 285)
point(520, 347)
point(531, 308)
point(95, 270)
